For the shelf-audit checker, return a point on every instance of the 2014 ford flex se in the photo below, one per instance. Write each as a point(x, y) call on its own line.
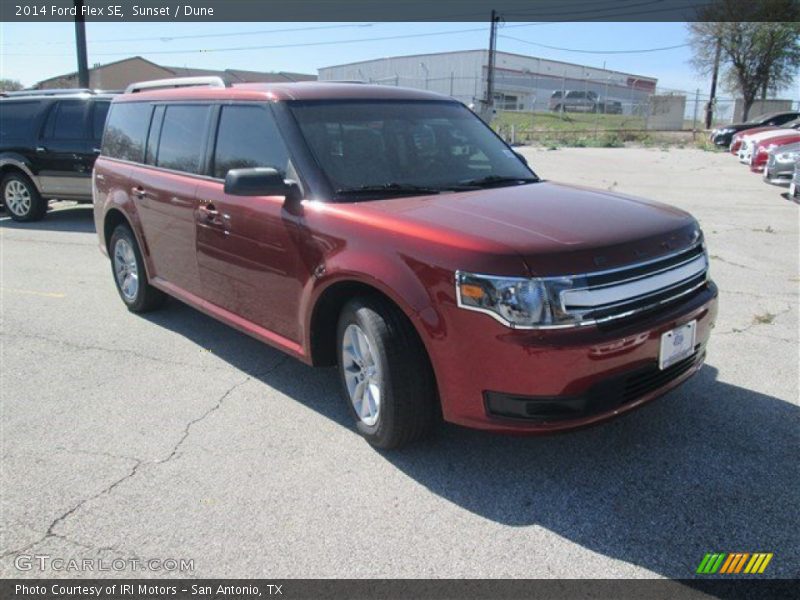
point(392, 233)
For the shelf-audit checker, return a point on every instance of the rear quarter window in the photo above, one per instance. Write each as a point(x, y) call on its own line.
point(126, 130)
point(17, 119)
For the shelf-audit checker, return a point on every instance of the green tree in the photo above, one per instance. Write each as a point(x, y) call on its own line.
point(759, 43)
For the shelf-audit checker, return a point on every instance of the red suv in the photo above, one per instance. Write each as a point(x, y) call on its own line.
point(392, 233)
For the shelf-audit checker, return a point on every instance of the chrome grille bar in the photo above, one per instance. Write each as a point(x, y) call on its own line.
point(630, 290)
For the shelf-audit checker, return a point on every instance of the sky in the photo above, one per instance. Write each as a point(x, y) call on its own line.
point(31, 52)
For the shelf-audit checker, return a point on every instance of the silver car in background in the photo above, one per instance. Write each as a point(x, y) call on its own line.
point(794, 187)
point(780, 164)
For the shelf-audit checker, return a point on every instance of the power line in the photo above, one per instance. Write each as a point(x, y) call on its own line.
point(170, 38)
point(640, 51)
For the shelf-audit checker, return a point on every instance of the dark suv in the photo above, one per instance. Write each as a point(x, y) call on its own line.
point(392, 233)
point(48, 144)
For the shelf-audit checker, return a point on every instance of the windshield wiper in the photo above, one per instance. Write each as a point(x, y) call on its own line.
point(492, 180)
point(388, 188)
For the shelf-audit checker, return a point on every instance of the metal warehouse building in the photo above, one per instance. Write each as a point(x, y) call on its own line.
point(521, 82)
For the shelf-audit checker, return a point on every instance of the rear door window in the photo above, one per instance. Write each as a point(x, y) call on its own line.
point(183, 138)
point(17, 118)
point(247, 136)
point(67, 121)
point(126, 130)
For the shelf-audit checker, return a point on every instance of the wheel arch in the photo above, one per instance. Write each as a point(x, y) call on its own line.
point(327, 307)
point(11, 163)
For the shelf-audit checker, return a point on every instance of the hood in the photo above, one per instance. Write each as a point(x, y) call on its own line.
point(555, 228)
point(765, 135)
point(755, 130)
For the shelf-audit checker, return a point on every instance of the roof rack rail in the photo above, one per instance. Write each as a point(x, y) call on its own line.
point(176, 82)
point(49, 92)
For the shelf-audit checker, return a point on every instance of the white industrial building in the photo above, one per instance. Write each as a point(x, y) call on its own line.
point(521, 82)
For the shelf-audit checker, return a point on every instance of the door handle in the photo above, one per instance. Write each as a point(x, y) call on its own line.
point(41, 149)
point(208, 213)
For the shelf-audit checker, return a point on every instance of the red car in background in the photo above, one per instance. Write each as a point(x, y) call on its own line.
point(761, 150)
point(736, 141)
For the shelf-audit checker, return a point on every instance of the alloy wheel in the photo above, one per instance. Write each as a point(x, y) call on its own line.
point(125, 269)
point(17, 198)
point(362, 374)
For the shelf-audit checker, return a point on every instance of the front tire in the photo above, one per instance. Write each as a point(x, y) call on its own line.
point(22, 200)
point(129, 273)
point(386, 377)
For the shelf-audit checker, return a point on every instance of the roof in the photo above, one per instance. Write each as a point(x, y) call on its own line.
point(485, 52)
point(231, 75)
point(276, 92)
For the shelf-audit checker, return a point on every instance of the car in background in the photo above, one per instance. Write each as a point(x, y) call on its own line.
point(49, 140)
point(761, 150)
point(586, 102)
point(391, 233)
point(779, 168)
point(736, 141)
point(721, 136)
point(749, 143)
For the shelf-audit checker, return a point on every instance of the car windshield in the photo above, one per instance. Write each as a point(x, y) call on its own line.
point(405, 147)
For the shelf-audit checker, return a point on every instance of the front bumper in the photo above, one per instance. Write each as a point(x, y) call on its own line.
point(544, 381)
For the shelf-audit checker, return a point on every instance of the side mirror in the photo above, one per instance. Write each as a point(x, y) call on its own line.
point(521, 157)
point(259, 181)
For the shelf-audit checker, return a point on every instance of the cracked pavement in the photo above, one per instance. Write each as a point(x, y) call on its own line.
point(173, 436)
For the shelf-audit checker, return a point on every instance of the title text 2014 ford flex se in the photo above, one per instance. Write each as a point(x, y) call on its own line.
point(392, 233)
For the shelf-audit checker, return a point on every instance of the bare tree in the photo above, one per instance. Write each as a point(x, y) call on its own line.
point(10, 85)
point(758, 41)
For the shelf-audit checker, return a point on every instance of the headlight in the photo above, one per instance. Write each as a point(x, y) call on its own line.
point(516, 301)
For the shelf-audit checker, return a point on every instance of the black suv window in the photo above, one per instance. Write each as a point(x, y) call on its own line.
point(99, 114)
point(16, 118)
point(183, 135)
point(126, 130)
point(67, 121)
point(248, 137)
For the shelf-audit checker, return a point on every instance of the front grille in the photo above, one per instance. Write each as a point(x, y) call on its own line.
point(605, 396)
point(631, 290)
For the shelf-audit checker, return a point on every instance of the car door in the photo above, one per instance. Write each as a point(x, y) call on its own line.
point(245, 250)
point(164, 190)
point(64, 151)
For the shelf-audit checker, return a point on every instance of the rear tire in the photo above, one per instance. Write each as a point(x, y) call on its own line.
point(386, 378)
point(129, 273)
point(22, 200)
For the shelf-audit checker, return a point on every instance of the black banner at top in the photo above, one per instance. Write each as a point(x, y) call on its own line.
point(395, 10)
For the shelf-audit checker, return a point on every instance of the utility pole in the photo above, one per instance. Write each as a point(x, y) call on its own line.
point(712, 97)
point(489, 101)
point(80, 45)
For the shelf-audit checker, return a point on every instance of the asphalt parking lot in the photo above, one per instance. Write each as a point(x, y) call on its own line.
point(173, 436)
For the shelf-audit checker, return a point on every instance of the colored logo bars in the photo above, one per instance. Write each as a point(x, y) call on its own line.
point(734, 562)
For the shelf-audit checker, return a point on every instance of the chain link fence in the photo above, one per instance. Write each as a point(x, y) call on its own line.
point(531, 107)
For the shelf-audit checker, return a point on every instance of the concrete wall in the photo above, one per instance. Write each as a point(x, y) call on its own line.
point(666, 113)
point(759, 107)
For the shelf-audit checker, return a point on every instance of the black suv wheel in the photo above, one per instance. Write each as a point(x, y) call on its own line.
point(21, 198)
